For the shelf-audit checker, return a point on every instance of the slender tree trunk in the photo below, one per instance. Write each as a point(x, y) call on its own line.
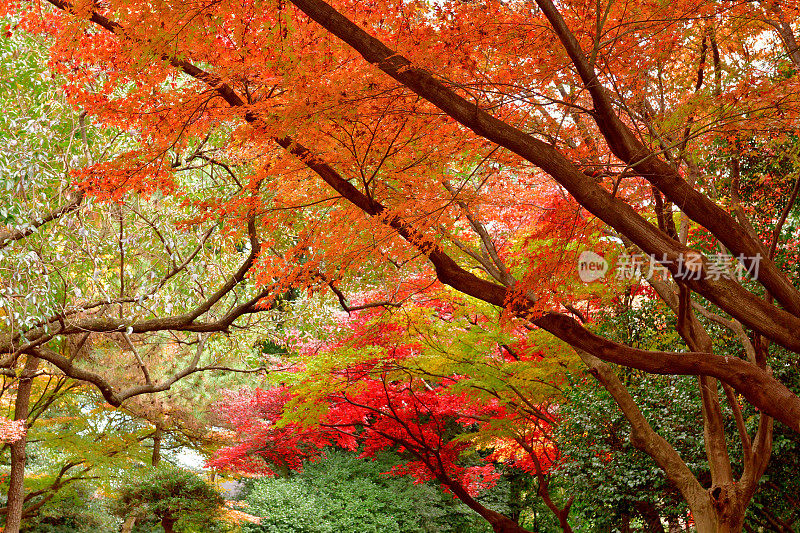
point(516, 495)
point(127, 525)
point(625, 526)
point(168, 523)
point(499, 522)
point(16, 488)
point(651, 517)
point(156, 458)
point(561, 513)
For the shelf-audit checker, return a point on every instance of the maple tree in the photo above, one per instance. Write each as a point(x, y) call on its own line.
point(484, 148)
point(376, 386)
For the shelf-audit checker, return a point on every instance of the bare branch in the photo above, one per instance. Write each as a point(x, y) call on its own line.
point(142, 366)
point(9, 236)
point(344, 302)
point(503, 275)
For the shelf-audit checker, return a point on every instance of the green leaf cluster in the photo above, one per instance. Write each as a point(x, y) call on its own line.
point(170, 493)
point(341, 493)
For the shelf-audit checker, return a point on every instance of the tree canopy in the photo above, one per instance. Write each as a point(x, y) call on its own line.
point(492, 191)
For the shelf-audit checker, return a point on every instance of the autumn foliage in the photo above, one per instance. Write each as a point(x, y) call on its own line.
point(384, 399)
point(383, 148)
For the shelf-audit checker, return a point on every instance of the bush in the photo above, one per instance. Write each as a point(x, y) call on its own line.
point(180, 500)
point(341, 493)
point(72, 510)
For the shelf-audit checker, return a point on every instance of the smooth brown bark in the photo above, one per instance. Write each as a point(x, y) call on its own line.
point(646, 439)
point(729, 497)
point(628, 148)
point(16, 488)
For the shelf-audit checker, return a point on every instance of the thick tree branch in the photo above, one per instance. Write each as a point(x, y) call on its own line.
point(773, 322)
point(645, 438)
point(345, 303)
point(185, 322)
point(625, 145)
point(115, 397)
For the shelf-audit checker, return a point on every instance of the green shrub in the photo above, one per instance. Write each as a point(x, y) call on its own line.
point(180, 500)
point(341, 493)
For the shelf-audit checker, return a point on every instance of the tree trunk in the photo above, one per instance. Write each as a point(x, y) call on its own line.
point(649, 514)
point(673, 526)
point(561, 513)
point(726, 513)
point(168, 523)
point(127, 525)
point(516, 496)
point(625, 526)
point(156, 458)
point(730, 519)
point(499, 522)
point(16, 488)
